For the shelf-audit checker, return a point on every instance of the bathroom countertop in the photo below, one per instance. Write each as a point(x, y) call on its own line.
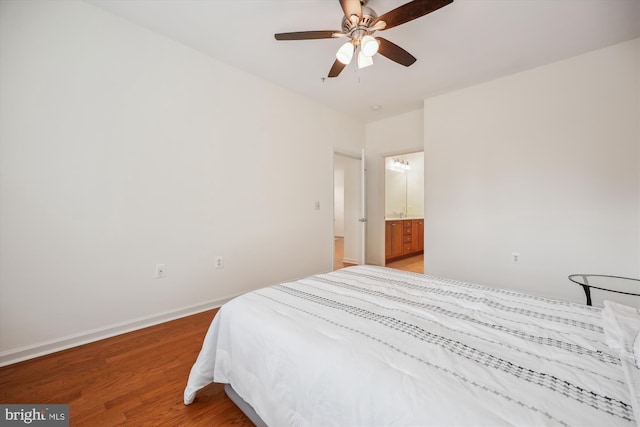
point(403, 218)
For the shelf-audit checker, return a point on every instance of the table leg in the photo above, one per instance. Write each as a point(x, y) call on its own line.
point(587, 292)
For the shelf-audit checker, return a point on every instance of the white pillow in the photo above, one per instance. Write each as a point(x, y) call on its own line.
point(621, 325)
point(636, 349)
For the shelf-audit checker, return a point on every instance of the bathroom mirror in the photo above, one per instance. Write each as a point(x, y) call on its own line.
point(404, 186)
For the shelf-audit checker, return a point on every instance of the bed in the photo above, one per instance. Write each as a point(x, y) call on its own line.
point(372, 346)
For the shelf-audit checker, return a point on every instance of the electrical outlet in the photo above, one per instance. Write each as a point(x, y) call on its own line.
point(515, 257)
point(160, 271)
point(219, 262)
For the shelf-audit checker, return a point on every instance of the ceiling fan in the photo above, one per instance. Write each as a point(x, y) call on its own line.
point(359, 22)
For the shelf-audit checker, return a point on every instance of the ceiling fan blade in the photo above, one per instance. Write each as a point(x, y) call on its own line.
point(308, 35)
point(395, 52)
point(336, 69)
point(410, 11)
point(351, 7)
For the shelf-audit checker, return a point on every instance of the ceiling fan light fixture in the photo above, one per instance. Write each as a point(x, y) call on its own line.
point(364, 60)
point(359, 22)
point(369, 45)
point(345, 53)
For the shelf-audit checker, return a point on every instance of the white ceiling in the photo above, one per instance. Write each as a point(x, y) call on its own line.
point(464, 43)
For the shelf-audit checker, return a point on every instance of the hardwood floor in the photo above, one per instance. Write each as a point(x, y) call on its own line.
point(414, 263)
point(338, 254)
point(133, 379)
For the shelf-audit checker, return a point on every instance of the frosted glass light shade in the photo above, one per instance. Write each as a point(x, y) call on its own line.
point(345, 53)
point(369, 46)
point(364, 60)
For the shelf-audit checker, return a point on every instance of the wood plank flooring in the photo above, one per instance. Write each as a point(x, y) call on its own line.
point(134, 379)
point(338, 254)
point(414, 263)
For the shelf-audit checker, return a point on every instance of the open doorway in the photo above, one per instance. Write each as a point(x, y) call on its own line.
point(404, 211)
point(347, 227)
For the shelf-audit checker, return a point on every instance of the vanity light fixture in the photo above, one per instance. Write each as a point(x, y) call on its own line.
point(402, 165)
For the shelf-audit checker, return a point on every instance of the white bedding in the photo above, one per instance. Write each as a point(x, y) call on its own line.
point(370, 346)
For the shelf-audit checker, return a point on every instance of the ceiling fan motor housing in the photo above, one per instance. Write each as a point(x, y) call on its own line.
point(368, 16)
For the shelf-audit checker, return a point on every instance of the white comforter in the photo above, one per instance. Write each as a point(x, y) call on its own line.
point(370, 346)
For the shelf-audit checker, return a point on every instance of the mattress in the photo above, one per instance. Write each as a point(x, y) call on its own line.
point(372, 346)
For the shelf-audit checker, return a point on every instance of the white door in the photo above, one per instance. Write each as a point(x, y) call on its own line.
point(363, 209)
point(350, 205)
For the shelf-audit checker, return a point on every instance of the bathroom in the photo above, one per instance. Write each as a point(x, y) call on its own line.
point(404, 210)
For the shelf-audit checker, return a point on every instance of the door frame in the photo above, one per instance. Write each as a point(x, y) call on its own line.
point(382, 159)
point(362, 229)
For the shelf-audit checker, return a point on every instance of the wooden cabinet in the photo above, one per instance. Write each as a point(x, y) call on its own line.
point(407, 237)
point(404, 238)
point(417, 235)
point(394, 239)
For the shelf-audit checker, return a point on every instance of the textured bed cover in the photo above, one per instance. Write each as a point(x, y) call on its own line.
point(380, 347)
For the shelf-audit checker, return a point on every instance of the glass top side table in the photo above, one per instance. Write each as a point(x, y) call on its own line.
point(617, 284)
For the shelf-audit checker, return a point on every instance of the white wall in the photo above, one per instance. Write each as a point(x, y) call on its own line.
point(415, 185)
point(121, 149)
point(544, 163)
point(395, 135)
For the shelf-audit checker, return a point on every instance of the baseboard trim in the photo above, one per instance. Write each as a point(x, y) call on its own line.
point(349, 261)
point(41, 349)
